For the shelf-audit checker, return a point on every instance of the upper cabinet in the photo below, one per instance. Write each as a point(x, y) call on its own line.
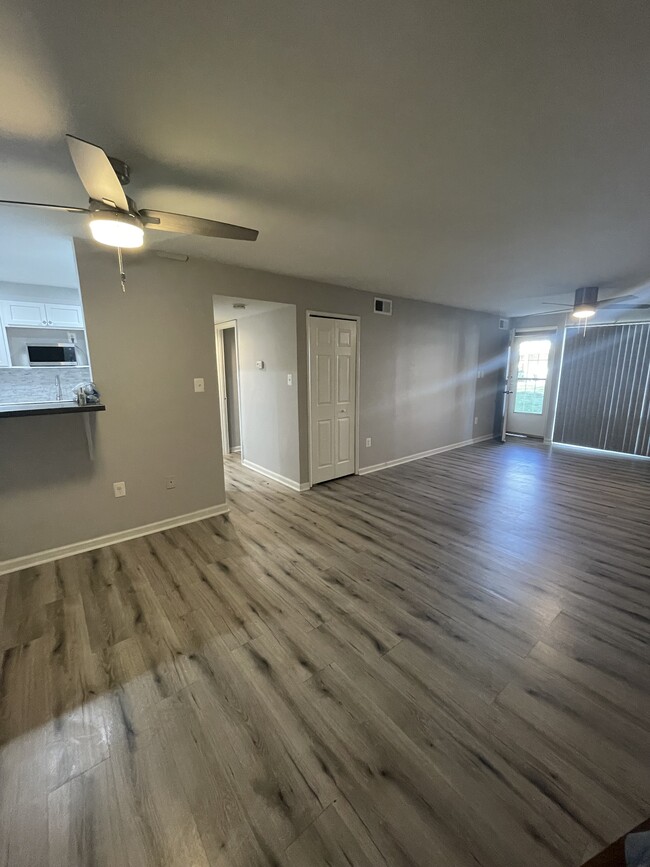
point(64, 316)
point(26, 314)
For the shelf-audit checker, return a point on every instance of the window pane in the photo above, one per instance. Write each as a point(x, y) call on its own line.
point(532, 370)
point(529, 396)
point(533, 359)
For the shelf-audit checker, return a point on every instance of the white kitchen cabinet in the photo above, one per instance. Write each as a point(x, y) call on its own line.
point(33, 314)
point(24, 313)
point(64, 316)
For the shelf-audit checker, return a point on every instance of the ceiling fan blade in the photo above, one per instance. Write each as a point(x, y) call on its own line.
point(70, 209)
point(96, 173)
point(614, 302)
point(554, 304)
point(196, 226)
point(617, 306)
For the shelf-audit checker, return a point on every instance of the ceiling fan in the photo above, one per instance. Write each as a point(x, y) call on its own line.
point(115, 220)
point(586, 303)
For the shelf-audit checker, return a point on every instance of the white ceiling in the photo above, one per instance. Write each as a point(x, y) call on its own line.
point(485, 154)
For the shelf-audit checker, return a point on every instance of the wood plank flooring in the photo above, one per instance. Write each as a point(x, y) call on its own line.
point(445, 663)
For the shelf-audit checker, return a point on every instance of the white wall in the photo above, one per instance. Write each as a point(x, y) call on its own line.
point(45, 294)
point(269, 406)
point(417, 392)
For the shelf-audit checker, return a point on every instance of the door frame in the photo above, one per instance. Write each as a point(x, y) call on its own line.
point(552, 380)
point(219, 328)
point(349, 317)
point(506, 388)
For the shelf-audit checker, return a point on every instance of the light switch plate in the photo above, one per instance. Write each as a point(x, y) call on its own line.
point(368, 442)
point(289, 379)
point(199, 384)
point(259, 365)
point(119, 489)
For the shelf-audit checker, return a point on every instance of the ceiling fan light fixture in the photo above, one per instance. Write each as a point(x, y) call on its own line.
point(584, 311)
point(117, 230)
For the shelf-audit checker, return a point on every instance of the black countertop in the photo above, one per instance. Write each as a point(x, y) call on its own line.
point(12, 410)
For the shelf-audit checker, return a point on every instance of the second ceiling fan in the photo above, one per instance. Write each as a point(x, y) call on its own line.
point(586, 303)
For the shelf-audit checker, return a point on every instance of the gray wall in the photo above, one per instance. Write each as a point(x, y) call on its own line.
point(232, 387)
point(147, 346)
point(417, 392)
point(269, 407)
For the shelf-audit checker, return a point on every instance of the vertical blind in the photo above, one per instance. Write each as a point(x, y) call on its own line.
point(604, 394)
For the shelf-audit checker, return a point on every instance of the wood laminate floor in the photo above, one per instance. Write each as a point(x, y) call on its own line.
point(445, 663)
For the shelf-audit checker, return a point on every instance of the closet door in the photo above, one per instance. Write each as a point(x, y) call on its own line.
point(333, 396)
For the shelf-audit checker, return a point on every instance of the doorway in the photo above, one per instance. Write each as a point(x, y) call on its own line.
point(333, 402)
point(228, 371)
point(257, 363)
point(531, 359)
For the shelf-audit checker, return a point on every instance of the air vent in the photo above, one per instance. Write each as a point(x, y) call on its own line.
point(504, 324)
point(384, 306)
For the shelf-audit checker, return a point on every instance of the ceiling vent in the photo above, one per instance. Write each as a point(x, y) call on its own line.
point(384, 306)
point(503, 324)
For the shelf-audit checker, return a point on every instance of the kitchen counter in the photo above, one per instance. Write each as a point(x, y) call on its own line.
point(12, 410)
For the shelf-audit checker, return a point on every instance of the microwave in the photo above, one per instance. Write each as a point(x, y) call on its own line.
point(52, 354)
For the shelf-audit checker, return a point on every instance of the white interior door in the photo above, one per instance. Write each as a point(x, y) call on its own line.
point(531, 357)
point(333, 397)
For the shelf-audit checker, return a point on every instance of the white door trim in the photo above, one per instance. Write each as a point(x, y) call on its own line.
point(352, 318)
point(221, 367)
point(506, 388)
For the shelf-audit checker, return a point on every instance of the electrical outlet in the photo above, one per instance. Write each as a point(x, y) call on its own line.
point(170, 483)
point(119, 489)
point(368, 442)
point(199, 384)
point(475, 419)
point(289, 379)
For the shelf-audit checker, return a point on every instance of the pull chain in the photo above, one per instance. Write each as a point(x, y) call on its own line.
point(121, 266)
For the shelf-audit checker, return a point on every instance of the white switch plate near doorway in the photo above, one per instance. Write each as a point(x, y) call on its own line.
point(199, 384)
point(119, 489)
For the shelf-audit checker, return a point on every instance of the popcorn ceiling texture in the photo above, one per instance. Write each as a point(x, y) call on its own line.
point(38, 384)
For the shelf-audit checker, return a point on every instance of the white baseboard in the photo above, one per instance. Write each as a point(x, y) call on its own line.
point(295, 486)
point(363, 471)
point(110, 539)
point(236, 449)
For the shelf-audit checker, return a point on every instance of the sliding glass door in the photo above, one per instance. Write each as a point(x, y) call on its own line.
point(604, 394)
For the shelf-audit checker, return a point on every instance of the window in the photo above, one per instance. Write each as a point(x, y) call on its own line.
point(532, 373)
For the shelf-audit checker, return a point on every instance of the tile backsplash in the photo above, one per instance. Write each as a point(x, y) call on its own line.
point(38, 384)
